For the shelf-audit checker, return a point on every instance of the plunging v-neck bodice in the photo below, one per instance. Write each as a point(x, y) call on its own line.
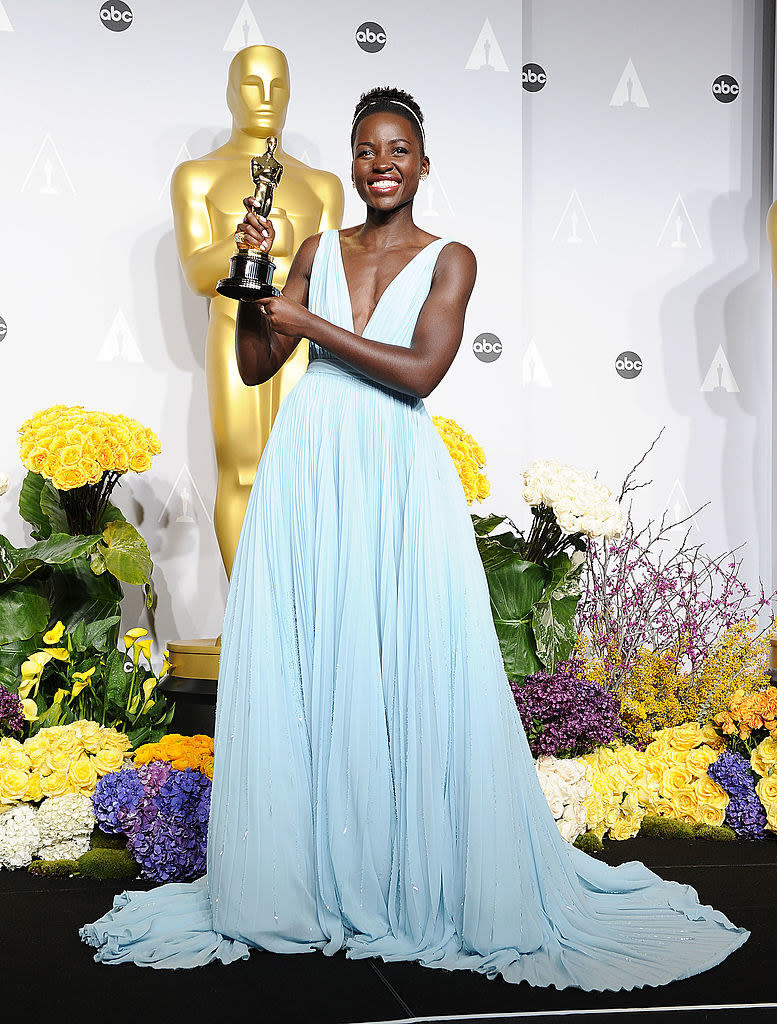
point(385, 290)
point(395, 315)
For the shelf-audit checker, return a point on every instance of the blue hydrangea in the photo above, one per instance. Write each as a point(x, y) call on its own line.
point(745, 813)
point(117, 799)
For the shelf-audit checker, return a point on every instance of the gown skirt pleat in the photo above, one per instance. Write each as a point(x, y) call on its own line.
point(373, 789)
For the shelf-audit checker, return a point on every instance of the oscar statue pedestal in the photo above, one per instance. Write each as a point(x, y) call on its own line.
point(191, 684)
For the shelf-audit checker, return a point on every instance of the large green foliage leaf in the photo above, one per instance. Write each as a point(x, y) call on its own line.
point(75, 593)
point(24, 611)
point(58, 549)
point(51, 507)
point(29, 505)
point(553, 617)
point(515, 586)
point(125, 553)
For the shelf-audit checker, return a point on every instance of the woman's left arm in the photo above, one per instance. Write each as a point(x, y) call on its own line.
point(416, 370)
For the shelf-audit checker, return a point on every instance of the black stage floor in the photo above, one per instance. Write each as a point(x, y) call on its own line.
point(47, 970)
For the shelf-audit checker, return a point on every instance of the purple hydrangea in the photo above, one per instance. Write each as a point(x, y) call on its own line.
point(11, 713)
point(745, 813)
point(565, 714)
point(164, 813)
point(117, 800)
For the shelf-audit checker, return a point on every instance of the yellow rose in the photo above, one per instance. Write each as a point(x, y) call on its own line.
point(57, 759)
point(70, 455)
point(54, 635)
point(68, 478)
point(766, 789)
point(764, 756)
point(89, 734)
point(709, 792)
point(594, 810)
point(685, 802)
point(710, 815)
point(699, 760)
point(140, 462)
point(13, 784)
point(108, 760)
point(675, 779)
point(83, 773)
point(685, 737)
point(35, 750)
point(664, 807)
point(710, 736)
point(19, 759)
point(113, 740)
point(54, 784)
point(625, 827)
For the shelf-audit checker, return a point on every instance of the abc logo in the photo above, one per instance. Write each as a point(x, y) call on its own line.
point(116, 15)
point(533, 77)
point(487, 347)
point(3, 328)
point(371, 36)
point(629, 365)
point(725, 88)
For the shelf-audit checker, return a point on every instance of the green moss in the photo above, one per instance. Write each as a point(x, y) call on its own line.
point(103, 841)
point(106, 863)
point(655, 827)
point(714, 833)
point(589, 843)
point(54, 868)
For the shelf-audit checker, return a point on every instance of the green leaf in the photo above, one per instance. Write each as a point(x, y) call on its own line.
point(97, 562)
point(485, 524)
point(111, 514)
point(13, 654)
point(126, 554)
point(516, 641)
point(78, 636)
point(29, 505)
point(102, 634)
point(51, 507)
point(75, 593)
point(553, 618)
point(117, 685)
point(151, 596)
point(58, 549)
point(515, 586)
point(24, 611)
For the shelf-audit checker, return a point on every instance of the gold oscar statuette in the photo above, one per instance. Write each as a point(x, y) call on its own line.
point(251, 271)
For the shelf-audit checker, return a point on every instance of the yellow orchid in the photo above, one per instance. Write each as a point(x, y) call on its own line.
point(54, 635)
point(83, 679)
point(30, 710)
point(133, 635)
point(141, 646)
point(24, 690)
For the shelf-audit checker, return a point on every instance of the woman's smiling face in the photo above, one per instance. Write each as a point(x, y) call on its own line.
point(387, 160)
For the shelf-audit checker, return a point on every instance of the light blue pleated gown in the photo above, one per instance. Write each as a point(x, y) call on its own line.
point(373, 789)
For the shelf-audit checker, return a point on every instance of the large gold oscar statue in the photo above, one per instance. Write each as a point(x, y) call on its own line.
point(207, 199)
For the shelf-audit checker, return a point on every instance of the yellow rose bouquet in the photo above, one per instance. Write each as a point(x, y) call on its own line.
point(468, 458)
point(83, 454)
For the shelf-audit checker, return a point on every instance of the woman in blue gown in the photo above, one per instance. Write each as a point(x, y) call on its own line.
point(373, 789)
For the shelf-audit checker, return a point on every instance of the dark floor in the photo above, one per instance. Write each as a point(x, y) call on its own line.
point(47, 969)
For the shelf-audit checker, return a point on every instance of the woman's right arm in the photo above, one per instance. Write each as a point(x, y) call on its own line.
point(260, 352)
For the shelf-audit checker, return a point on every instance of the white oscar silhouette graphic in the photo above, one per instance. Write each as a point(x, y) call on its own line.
point(677, 509)
point(5, 24)
point(435, 197)
point(629, 91)
point(47, 174)
point(245, 31)
point(676, 226)
point(533, 369)
point(720, 374)
point(183, 154)
point(576, 220)
point(184, 505)
point(486, 54)
point(120, 345)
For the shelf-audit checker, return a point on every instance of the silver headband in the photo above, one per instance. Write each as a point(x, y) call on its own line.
point(397, 103)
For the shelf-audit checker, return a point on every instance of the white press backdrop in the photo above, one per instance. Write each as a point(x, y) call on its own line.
point(615, 203)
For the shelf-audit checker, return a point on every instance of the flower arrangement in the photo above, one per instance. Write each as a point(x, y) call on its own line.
point(468, 457)
point(59, 760)
point(163, 810)
point(61, 827)
point(13, 712)
point(566, 501)
point(566, 789)
point(181, 752)
point(749, 718)
point(83, 453)
point(76, 675)
point(563, 713)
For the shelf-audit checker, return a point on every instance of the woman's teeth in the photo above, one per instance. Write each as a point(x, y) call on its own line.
point(384, 186)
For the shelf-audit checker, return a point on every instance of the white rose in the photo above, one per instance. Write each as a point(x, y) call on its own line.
point(570, 830)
